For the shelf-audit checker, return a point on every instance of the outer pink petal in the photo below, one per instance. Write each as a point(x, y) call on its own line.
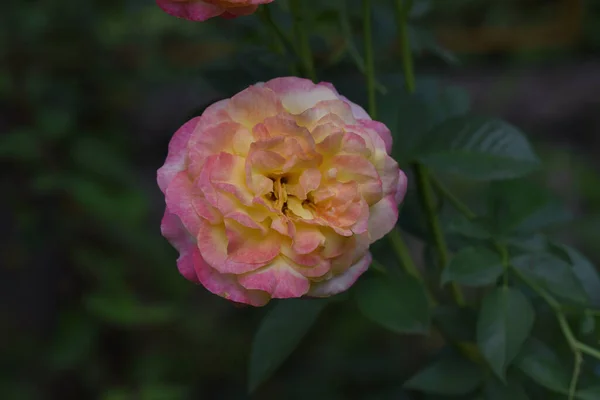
point(179, 198)
point(383, 217)
point(298, 95)
point(402, 187)
point(241, 11)
point(177, 155)
point(226, 285)
point(192, 10)
point(358, 111)
point(278, 279)
point(341, 282)
point(172, 229)
point(382, 130)
point(253, 105)
point(213, 242)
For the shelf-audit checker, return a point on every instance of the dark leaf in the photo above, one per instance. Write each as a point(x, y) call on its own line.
point(512, 390)
point(538, 362)
point(400, 305)
point(505, 321)
point(279, 333)
point(552, 273)
point(478, 148)
point(473, 266)
point(449, 375)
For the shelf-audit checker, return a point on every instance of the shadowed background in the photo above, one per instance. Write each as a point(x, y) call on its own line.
point(91, 303)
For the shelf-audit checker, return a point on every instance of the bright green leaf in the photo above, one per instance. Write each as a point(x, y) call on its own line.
point(473, 266)
point(279, 334)
point(400, 305)
point(538, 362)
point(478, 148)
point(449, 375)
point(505, 321)
point(552, 273)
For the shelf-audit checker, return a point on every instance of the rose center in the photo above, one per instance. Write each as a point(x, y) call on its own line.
point(279, 193)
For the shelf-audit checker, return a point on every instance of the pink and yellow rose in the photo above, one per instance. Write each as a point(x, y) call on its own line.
point(278, 192)
point(201, 10)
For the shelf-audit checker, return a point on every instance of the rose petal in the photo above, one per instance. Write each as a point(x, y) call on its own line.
point(298, 95)
point(172, 229)
point(191, 10)
point(226, 285)
point(176, 158)
point(278, 279)
point(213, 244)
point(383, 217)
point(382, 130)
point(341, 282)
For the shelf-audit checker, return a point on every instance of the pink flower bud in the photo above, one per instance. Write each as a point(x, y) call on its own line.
point(201, 10)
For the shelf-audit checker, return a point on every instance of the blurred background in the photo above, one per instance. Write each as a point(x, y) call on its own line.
point(91, 303)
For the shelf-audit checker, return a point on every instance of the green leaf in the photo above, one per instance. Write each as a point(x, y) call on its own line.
point(553, 274)
point(586, 272)
point(512, 390)
point(473, 266)
point(457, 323)
point(505, 321)
point(279, 334)
point(539, 363)
point(449, 375)
point(521, 206)
point(478, 148)
point(591, 393)
point(400, 305)
point(474, 229)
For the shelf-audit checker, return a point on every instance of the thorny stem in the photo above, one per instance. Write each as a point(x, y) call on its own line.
point(298, 9)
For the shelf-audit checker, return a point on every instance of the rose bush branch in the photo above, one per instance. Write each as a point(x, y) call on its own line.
point(576, 346)
point(299, 14)
point(421, 173)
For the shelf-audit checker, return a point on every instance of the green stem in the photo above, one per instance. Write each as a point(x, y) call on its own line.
point(298, 9)
point(283, 42)
point(369, 58)
point(402, 8)
point(401, 250)
point(456, 203)
point(589, 350)
point(423, 180)
point(426, 193)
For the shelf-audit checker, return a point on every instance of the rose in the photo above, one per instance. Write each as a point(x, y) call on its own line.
point(201, 10)
point(278, 192)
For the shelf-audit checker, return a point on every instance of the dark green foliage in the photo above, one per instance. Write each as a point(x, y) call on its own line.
point(92, 305)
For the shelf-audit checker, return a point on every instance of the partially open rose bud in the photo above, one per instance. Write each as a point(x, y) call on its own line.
point(201, 10)
point(278, 192)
